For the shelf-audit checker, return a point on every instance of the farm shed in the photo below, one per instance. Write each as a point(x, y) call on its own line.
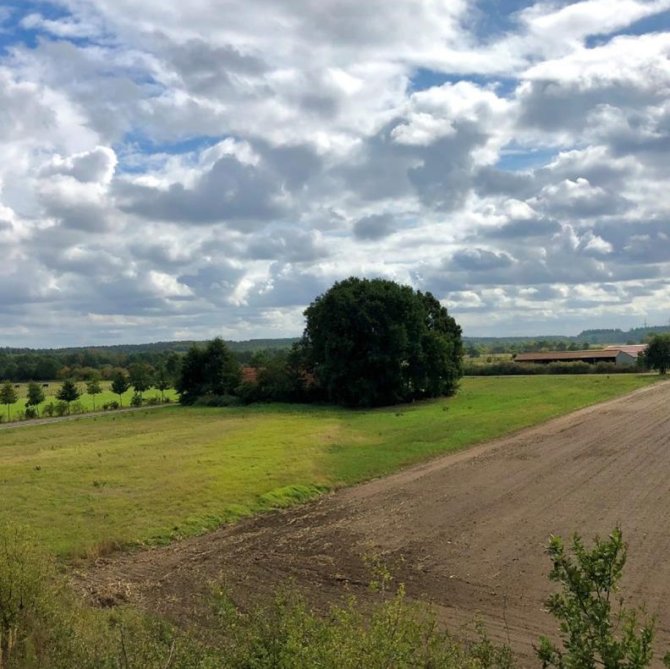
point(631, 349)
point(614, 355)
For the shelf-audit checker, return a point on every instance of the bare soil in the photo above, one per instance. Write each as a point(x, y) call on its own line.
point(465, 532)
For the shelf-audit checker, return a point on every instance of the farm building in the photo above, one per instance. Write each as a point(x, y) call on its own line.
point(631, 349)
point(617, 355)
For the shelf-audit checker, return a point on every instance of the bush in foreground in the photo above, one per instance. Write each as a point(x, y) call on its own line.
point(43, 625)
point(595, 632)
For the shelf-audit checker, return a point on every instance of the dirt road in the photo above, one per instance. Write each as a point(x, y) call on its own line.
point(465, 532)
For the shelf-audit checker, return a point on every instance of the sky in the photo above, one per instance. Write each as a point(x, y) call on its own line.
point(175, 170)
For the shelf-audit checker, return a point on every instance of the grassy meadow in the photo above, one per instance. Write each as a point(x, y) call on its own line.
point(151, 476)
point(88, 402)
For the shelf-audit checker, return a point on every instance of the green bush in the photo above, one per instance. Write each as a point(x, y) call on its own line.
point(43, 625)
point(136, 400)
point(217, 401)
point(596, 629)
point(570, 368)
point(511, 368)
point(31, 412)
point(287, 634)
point(503, 368)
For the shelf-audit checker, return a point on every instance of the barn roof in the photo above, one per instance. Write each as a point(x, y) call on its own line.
point(631, 349)
point(599, 354)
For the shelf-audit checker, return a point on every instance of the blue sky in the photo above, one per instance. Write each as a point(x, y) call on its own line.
point(183, 173)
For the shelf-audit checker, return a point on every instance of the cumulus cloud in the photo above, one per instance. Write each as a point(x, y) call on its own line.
point(376, 226)
point(173, 172)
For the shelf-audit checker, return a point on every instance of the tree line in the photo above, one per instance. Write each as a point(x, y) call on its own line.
point(140, 377)
point(23, 365)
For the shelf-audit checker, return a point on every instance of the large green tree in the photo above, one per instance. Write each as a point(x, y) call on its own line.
point(209, 371)
point(375, 343)
point(657, 355)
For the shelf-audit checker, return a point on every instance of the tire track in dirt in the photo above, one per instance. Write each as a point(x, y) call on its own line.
point(465, 531)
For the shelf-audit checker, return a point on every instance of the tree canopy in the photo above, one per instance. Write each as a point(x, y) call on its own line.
point(373, 342)
point(657, 355)
point(211, 371)
point(68, 392)
point(8, 395)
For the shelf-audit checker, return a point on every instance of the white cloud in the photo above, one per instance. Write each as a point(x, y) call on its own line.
point(225, 162)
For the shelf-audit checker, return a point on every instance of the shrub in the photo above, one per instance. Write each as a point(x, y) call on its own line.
point(61, 408)
point(511, 368)
point(504, 368)
point(49, 409)
point(136, 400)
point(31, 412)
point(22, 572)
point(43, 625)
point(77, 407)
point(110, 406)
point(153, 401)
point(394, 633)
point(218, 401)
point(593, 630)
point(569, 368)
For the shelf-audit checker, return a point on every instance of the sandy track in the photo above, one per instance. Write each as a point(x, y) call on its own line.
point(465, 532)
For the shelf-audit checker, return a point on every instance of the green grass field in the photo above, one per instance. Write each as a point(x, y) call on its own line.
point(151, 476)
point(88, 402)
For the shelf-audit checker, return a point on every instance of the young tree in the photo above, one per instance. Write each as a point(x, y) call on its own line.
point(120, 385)
point(594, 633)
point(375, 342)
point(173, 367)
point(93, 388)
point(35, 395)
point(68, 392)
point(8, 396)
point(162, 381)
point(140, 377)
point(657, 355)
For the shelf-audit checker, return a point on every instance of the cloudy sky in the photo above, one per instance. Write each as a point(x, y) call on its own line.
point(171, 172)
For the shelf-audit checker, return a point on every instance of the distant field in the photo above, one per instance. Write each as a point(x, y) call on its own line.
point(152, 476)
point(87, 401)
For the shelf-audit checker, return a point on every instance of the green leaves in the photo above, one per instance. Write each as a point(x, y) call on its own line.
point(8, 395)
point(596, 629)
point(212, 371)
point(657, 355)
point(375, 343)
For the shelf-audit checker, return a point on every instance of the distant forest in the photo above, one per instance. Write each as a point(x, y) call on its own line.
point(82, 363)
point(585, 339)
